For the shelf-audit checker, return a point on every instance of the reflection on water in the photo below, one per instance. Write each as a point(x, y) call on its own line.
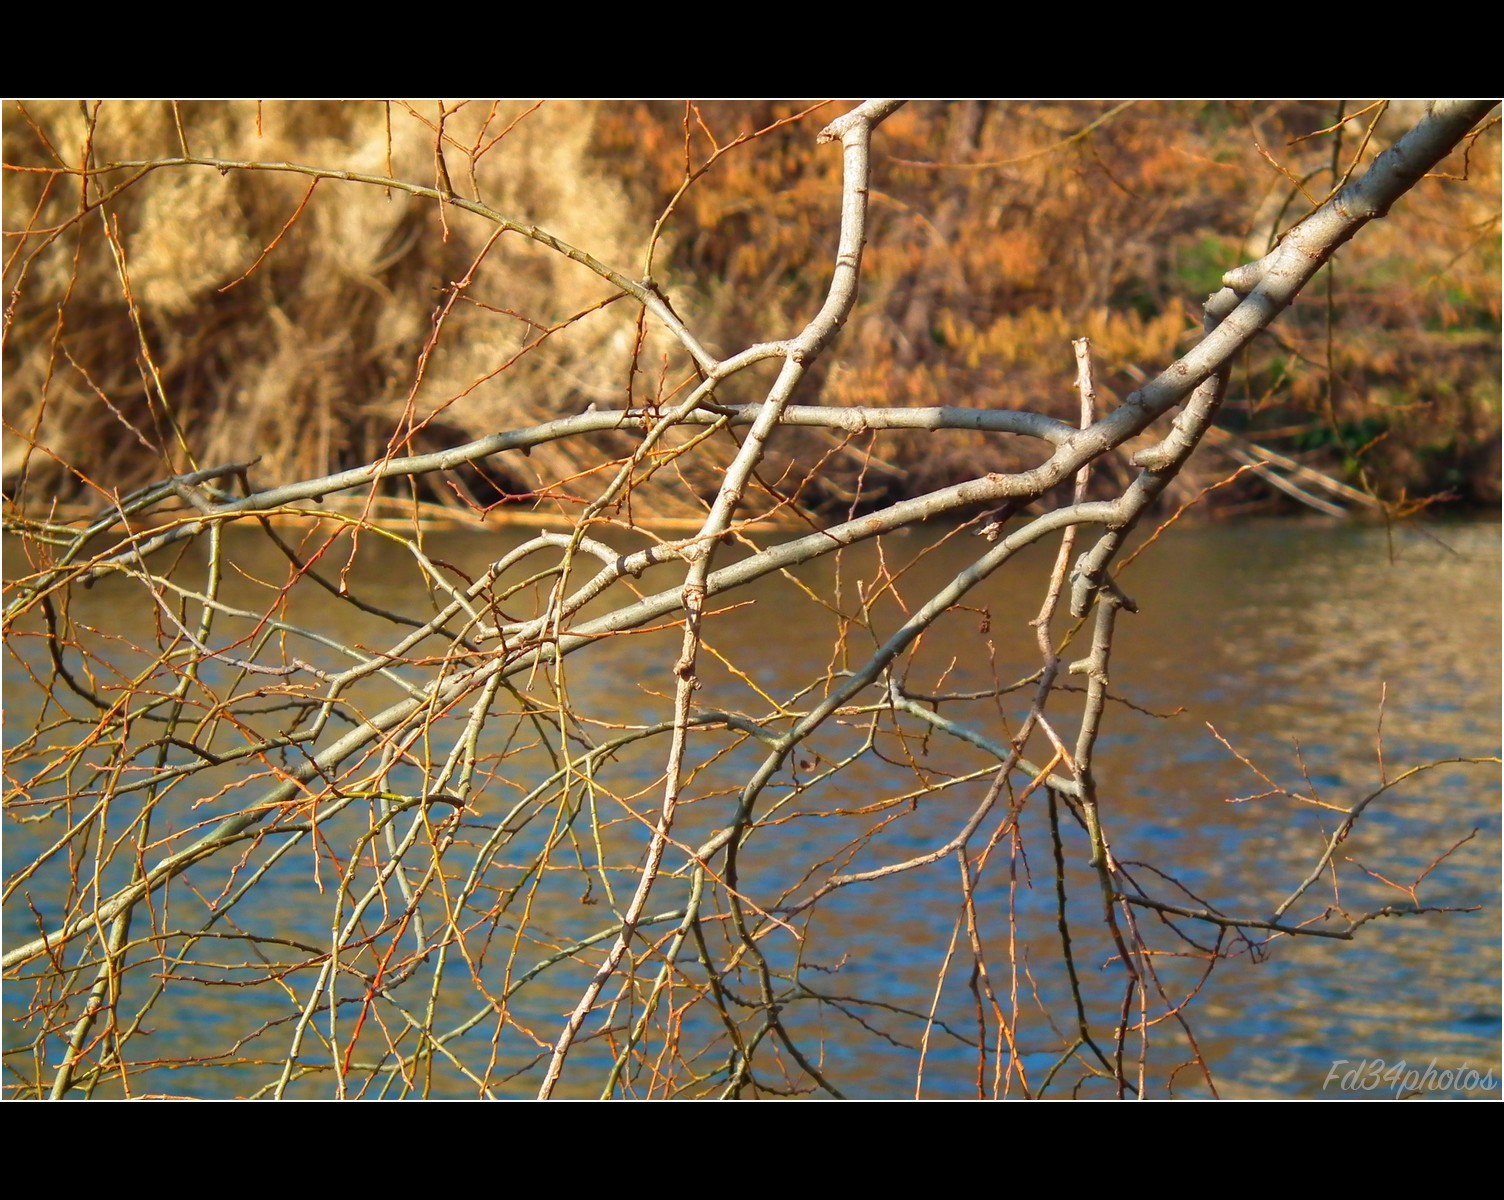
point(1293, 642)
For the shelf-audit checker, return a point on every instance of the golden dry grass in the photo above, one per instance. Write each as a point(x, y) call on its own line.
point(297, 327)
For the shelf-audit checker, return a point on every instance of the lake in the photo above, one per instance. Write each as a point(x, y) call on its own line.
point(1276, 674)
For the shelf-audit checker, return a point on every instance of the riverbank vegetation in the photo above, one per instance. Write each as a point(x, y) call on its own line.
point(197, 313)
